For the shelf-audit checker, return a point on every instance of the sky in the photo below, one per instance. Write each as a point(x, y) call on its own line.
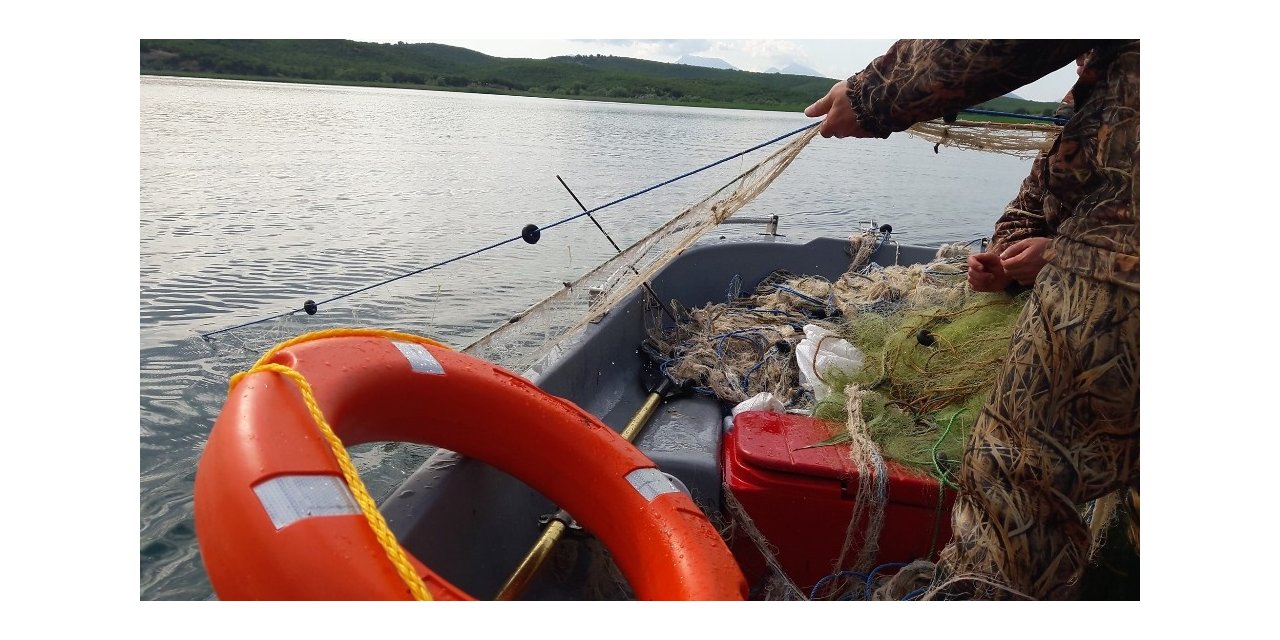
point(835, 59)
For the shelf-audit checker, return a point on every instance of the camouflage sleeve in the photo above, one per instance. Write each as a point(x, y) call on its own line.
point(918, 80)
point(1024, 216)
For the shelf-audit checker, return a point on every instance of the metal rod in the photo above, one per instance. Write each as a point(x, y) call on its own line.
point(770, 223)
point(593, 218)
point(541, 550)
point(533, 561)
point(641, 417)
point(645, 283)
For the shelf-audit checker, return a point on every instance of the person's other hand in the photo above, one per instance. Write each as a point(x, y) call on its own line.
point(986, 273)
point(1023, 259)
point(841, 122)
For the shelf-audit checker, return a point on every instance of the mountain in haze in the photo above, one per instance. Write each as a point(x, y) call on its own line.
point(714, 63)
point(795, 69)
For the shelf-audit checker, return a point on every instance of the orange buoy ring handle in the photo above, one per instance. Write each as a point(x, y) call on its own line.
point(266, 456)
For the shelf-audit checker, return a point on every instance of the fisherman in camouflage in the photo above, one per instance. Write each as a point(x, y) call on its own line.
point(1061, 426)
point(1022, 233)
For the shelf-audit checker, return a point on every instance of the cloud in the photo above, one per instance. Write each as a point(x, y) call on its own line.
point(751, 55)
point(766, 53)
point(656, 49)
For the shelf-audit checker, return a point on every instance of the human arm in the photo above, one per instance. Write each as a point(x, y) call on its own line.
point(840, 120)
point(1022, 232)
point(1024, 216)
point(918, 80)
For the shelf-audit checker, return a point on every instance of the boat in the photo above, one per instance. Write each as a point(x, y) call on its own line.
point(784, 512)
point(494, 520)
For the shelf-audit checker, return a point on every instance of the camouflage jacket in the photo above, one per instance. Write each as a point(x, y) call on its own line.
point(1084, 190)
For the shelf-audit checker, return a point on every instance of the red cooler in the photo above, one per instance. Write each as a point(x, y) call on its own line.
point(801, 499)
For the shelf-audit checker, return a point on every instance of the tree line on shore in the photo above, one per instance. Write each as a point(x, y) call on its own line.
point(443, 67)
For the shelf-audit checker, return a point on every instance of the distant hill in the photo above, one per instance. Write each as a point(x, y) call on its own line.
point(796, 69)
point(1009, 104)
point(442, 67)
point(713, 63)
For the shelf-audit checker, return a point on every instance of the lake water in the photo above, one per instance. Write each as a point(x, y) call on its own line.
point(258, 196)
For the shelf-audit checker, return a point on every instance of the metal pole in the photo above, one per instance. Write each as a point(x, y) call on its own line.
point(546, 543)
point(645, 283)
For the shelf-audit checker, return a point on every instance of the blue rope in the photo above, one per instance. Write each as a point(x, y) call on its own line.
point(983, 112)
point(871, 577)
point(379, 284)
point(813, 593)
point(912, 595)
point(746, 377)
point(519, 237)
point(741, 334)
point(802, 296)
point(683, 175)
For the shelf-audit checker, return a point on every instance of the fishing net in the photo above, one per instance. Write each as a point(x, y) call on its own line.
point(545, 327)
point(552, 324)
point(1016, 139)
point(930, 365)
point(931, 348)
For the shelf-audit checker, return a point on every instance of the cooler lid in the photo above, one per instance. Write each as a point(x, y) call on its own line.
point(784, 442)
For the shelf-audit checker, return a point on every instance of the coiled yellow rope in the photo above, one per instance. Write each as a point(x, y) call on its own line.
point(367, 506)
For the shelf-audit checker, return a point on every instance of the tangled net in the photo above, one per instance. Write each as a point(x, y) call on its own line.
point(1016, 139)
point(931, 346)
point(918, 400)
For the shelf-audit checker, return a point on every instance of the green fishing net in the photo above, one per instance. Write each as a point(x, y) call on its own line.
point(932, 348)
point(926, 373)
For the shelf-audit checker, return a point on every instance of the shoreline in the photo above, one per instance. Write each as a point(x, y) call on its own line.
point(737, 106)
point(741, 106)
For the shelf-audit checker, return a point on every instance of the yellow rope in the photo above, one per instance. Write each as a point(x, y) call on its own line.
point(334, 333)
point(367, 506)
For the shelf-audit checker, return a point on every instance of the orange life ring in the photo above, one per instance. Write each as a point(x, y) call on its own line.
point(265, 448)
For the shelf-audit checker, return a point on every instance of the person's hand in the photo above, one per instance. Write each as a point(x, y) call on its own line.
point(841, 122)
point(1023, 259)
point(986, 273)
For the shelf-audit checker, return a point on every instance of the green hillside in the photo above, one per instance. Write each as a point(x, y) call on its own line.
point(441, 67)
point(1017, 105)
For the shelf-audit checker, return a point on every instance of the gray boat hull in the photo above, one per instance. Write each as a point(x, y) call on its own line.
point(473, 524)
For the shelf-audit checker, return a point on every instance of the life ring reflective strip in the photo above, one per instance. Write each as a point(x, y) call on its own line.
point(273, 523)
